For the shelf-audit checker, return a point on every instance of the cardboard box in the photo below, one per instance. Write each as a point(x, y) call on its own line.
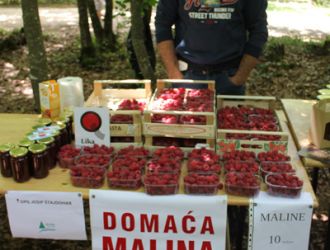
point(49, 92)
point(320, 124)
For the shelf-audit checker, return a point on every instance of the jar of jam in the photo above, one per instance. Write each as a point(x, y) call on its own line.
point(57, 138)
point(5, 161)
point(68, 126)
point(69, 115)
point(26, 143)
point(63, 133)
point(39, 157)
point(51, 150)
point(20, 164)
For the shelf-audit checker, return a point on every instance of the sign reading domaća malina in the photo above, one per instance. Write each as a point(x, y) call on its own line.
point(135, 221)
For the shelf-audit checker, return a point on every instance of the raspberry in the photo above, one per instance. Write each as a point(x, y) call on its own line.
point(161, 184)
point(241, 166)
point(202, 184)
point(284, 185)
point(242, 184)
point(272, 156)
point(89, 177)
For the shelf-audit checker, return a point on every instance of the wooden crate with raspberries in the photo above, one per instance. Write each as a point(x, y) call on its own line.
point(126, 100)
point(180, 115)
point(249, 123)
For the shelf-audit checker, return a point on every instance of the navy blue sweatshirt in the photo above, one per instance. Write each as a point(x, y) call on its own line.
point(213, 31)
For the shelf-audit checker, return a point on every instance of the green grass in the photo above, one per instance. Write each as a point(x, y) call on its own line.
point(297, 45)
point(272, 6)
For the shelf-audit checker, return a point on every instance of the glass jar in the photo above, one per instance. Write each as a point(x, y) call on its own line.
point(69, 115)
point(26, 143)
point(5, 161)
point(20, 164)
point(68, 126)
point(39, 157)
point(57, 138)
point(51, 150)
point(63, 134)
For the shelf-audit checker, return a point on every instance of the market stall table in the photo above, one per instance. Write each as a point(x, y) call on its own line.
point(13, 127)
point(298, 114)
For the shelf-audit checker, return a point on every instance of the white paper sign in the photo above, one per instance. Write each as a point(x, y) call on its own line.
point(280, 223)
point(46, 215)
point(132, 221)
point(92, 126)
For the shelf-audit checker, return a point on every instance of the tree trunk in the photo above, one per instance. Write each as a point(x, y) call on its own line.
point(148, 43)
point(87, 48)
point(138, 40)
point(96, 23)
point(109, 36)
point(35, 43)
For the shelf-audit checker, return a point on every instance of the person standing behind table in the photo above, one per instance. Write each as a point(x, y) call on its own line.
point(220, 40)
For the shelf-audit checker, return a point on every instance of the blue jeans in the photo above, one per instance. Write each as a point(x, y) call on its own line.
point(223, 85)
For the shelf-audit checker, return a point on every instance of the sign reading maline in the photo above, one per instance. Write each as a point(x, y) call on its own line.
point(46, 215)
point(135, 221)
point(280, 223)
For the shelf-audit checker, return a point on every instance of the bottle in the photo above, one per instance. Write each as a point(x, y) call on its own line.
point(5, 161)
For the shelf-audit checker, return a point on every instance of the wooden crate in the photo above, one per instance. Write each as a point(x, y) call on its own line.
point(272, 140)
point(148, 144)
point(107, 96)
point(189, 131)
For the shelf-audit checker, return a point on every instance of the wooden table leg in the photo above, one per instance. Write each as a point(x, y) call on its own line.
point(228, 245)
point(241, 227)
point(315, 178)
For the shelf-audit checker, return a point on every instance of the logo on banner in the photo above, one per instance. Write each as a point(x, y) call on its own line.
point(92, 122)
point(46, 227)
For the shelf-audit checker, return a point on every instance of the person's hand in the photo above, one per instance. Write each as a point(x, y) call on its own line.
point(176, 74)
point(238, 81)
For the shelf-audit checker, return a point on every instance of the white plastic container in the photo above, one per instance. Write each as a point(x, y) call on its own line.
point(71, 92)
